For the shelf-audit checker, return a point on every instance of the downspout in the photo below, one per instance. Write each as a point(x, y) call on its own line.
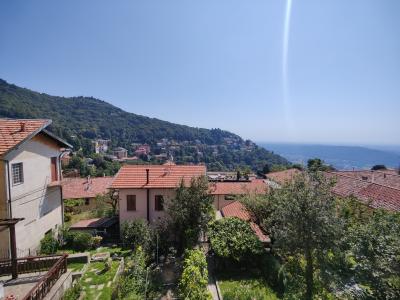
point(61, 190)
point(8, 188)
point(148, 195)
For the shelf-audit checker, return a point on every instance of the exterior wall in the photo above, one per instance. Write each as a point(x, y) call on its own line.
point(220, 202)
point(4, 233)
point(141, 204)
point(33, 200)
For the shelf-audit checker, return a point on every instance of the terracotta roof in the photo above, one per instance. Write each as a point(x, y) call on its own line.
point(282, 177)
point(372, 194)
point(256, 186)
point(15, 131)
point(160, 176)
point(75, 188)
point(236, 209)
point(384, 177)
point(94, 223)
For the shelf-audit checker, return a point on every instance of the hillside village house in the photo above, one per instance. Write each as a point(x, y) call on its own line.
point(143, 188)
point(30, 186)
point(120, 153)
point(225, 192)
point(85, 189)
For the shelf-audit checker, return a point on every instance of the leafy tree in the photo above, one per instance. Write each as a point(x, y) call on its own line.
point(316, 164)
point(303, 222)
point(190, 211)
point(107, 204)
point(378, 167)
point(136, 233)
point(372, 243)
point(234, 239)
point(194, 279)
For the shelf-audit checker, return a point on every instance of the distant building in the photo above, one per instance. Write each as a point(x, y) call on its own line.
point(101, 146)
point(225, 192)
point(143, 188)
point(86, 189)
point(120, 153)
point(143, 150)
point(30, 188)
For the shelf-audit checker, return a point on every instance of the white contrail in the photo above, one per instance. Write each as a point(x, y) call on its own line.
point(285, 79)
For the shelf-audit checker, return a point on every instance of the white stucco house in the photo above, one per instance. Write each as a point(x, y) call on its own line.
point(30, 175)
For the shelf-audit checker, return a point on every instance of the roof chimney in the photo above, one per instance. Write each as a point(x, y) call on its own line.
point(22, 126)
point(147, 176)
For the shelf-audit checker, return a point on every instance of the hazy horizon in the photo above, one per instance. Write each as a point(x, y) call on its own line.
point(283, 71)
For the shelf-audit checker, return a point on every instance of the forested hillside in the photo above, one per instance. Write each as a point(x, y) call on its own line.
point(79, 120)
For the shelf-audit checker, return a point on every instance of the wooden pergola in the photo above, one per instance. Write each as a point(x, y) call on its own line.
point(10, 224)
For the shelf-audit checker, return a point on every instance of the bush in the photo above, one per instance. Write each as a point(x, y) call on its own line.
point(233, 238)
point(194, 279)
point(136, 233)
point(96, 241)
point(81, 241)
point(49, 245)
point(73, 293)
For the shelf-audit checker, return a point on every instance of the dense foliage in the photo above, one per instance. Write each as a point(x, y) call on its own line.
point(194, 279)
point(132, 283)
point(79, 120)
point(190, 211)
point(49, 244)
point(234, 239)
point(329, 248)
point(136, 233)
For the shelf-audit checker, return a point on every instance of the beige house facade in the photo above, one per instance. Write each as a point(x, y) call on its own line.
point(30, 174)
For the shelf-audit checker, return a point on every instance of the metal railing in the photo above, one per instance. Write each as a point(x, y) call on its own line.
point(40, 290)
point(55, 265)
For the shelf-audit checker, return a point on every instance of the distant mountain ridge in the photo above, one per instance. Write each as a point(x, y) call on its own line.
point(79, 120)
point(341, 157)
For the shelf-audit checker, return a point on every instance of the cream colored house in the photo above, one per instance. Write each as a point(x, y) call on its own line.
point(30, 188)
point(143, 188)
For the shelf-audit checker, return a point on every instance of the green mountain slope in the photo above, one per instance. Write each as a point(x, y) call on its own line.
point(79, 120)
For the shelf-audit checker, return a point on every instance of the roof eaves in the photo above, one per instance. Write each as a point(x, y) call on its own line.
point(29, 137)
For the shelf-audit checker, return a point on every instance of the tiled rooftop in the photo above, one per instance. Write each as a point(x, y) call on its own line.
point(236, 209)
point(76, 188)
point(377, 194)
point(282, 177)
point(160, 176)
point(15, 131)
point(256, 186)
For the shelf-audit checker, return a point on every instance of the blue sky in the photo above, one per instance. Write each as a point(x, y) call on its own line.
point(219, 63)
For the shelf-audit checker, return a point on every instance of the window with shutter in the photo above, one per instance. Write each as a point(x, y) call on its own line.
point(131, 202)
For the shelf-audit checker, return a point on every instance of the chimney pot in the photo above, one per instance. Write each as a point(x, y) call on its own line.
point(147, 176)
point(22, 126)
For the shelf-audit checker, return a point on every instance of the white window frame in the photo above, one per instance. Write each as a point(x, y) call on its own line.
point(17, 178)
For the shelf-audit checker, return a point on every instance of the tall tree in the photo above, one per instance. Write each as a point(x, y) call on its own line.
point(303, 222)
point(190, 211)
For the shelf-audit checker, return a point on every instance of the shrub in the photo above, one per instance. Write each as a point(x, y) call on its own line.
point(81, 241)
point(136, 233)
point(96, 241)
point(194, 279)
point(234, 239)
point(49, 244)
point(73, 293)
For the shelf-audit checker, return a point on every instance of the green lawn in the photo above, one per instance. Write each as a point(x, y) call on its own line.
point(75, 267)
point(246, 289)
point(98, 286)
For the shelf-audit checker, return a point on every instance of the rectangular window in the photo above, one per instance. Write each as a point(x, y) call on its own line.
point(54, 175)
point(131, 202)
point(159, 203)
point(229, 197)
point(17, 173)
point(87, 201)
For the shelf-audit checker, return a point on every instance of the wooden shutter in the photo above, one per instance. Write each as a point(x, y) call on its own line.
point(54, 175)
point(131, 202)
